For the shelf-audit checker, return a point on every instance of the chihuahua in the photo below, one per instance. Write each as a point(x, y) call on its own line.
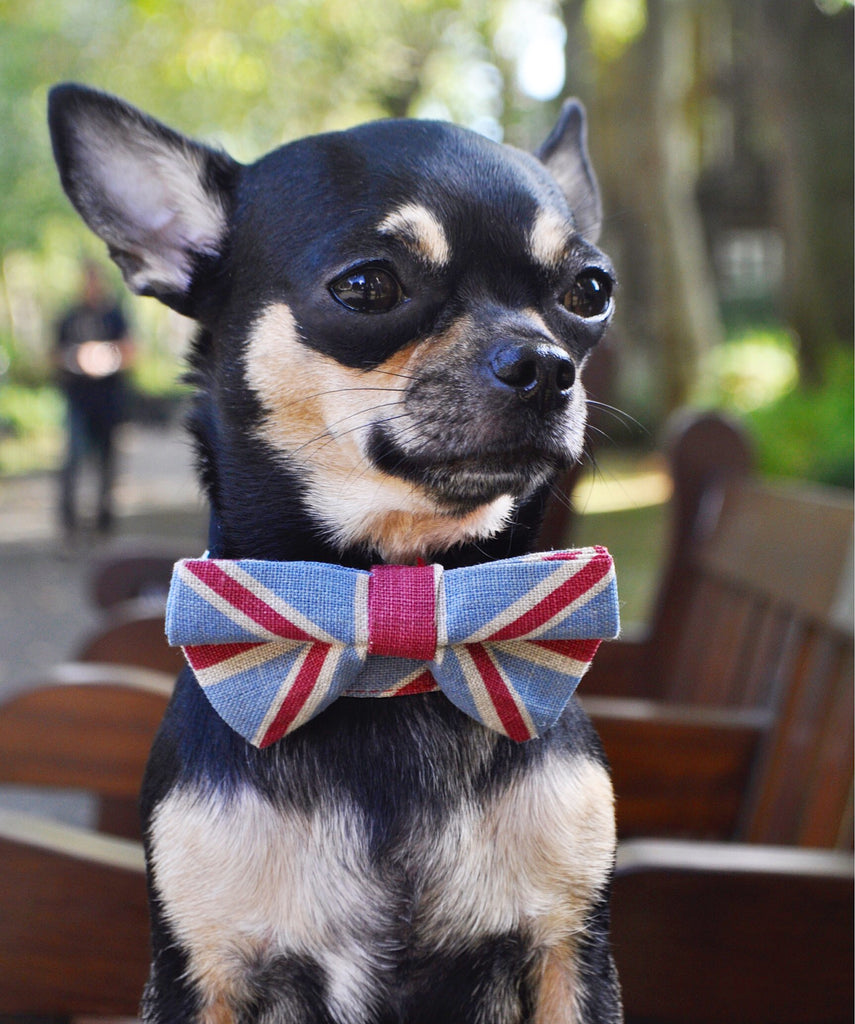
point(392, 323)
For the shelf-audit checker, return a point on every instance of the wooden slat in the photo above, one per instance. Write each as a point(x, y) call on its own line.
point(788, 541)
point(709, 933)
point(90, 735)
point(132, 574)
point(803, 788)
point(677, 771)
point(763, 662)
point(715, 646)
point(73, 925)
point(133, 634)
point(706, 452)
point(827, 812)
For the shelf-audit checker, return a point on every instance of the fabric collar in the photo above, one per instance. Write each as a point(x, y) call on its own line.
point(275, 643)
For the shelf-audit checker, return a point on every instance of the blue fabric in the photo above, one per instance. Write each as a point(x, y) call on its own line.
point(273, 643)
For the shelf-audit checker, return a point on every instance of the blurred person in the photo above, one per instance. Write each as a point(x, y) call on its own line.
point(93, 349)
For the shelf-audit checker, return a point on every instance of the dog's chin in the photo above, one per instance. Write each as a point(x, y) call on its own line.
point(462, 482)
point(463, 487)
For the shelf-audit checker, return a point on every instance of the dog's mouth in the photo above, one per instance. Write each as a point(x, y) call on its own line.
point(462, 480)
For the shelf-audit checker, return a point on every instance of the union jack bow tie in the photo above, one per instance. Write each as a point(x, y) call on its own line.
point(274, 643)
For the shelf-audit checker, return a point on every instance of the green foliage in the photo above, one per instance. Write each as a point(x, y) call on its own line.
point(246, 75)
point(801, 430)
point(613, 25)
point(808, 432)
point(753, 368)
point(30, 427)
point(158, 376)
point(27, 410)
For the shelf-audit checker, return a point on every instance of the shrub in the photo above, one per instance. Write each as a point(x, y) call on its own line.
point(808, 432)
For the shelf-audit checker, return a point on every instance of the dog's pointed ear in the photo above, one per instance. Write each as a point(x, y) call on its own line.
point(159, 200)
point(565, 155)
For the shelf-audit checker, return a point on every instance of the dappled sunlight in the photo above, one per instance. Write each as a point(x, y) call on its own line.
point(617, 489)
point(637, 488)
point(614, 25)
point(750, 371)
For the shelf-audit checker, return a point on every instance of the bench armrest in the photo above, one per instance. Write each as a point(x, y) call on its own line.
point(678, 770)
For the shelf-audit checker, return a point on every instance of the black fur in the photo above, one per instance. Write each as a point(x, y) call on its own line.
point(275, 236)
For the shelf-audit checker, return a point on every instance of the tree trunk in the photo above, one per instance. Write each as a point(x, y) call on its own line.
point(806, 110)
point(645, 155)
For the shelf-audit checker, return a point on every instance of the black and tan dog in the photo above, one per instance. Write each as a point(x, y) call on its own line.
point(392, 324)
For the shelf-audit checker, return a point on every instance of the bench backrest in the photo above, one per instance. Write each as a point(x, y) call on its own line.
point(769, 573)
point(86, 727)
point(704, 933)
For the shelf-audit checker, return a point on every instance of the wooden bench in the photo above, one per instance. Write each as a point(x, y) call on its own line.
point(132, 573)
point(73, 909)
point(701, 932)
point(132, 633)
point(748, 563)
point(73, 920)
point(130, 588)
point(704, 933)
point(87, 728)
point(731, 717)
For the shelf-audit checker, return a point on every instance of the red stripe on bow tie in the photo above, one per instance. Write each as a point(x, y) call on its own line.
point(298, 694)
point(505, 705)
point(242, 598)
point(402, 611)
point(555, 602)
point(425, 683)
point(202, 656)
point(579, 650)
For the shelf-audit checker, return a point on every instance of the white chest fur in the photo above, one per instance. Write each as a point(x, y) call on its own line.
point(241, 880)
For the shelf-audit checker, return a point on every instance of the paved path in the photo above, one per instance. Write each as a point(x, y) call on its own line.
point(44, 605)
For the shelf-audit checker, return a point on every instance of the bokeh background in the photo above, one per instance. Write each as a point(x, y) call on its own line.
point(721, 131)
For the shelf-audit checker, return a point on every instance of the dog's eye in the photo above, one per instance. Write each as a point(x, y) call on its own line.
point(590, 295)
point(368, 290)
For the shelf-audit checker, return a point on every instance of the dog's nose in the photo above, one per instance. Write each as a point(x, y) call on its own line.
point(537, 372)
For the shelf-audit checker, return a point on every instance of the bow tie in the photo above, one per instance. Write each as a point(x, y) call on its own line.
point(274, 643)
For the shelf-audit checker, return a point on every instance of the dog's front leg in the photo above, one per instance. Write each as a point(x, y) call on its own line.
point(578, 981)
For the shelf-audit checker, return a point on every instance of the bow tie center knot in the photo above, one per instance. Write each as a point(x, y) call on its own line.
point(402, 606)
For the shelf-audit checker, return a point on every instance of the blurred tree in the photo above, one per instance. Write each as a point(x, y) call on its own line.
point(710, 116)
point(641, 81)
point(803, 89)
point(244, 74)
point(247, 74)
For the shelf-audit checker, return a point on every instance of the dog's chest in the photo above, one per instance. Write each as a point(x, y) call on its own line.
point(244, 881)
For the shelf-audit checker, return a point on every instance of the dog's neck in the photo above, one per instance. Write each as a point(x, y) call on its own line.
point(302, 542)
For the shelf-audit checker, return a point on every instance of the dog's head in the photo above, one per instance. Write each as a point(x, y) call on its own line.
point(394, 317)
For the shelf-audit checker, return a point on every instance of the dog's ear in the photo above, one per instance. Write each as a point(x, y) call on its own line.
point(159, 200)
point(565, 154)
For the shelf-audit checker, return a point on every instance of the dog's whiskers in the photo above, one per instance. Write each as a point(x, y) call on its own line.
point(328, 435)
point(303, 399)
point(619, 414)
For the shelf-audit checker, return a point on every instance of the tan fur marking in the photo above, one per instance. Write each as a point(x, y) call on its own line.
point(318, 412)
point(536, 857)
point(219, 1014)
point(557, 1000)
point(404, 536)
point(547, 240)
point(239, 877)
point(420, 230)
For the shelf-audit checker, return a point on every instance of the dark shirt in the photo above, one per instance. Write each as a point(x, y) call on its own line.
point(102, 395)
